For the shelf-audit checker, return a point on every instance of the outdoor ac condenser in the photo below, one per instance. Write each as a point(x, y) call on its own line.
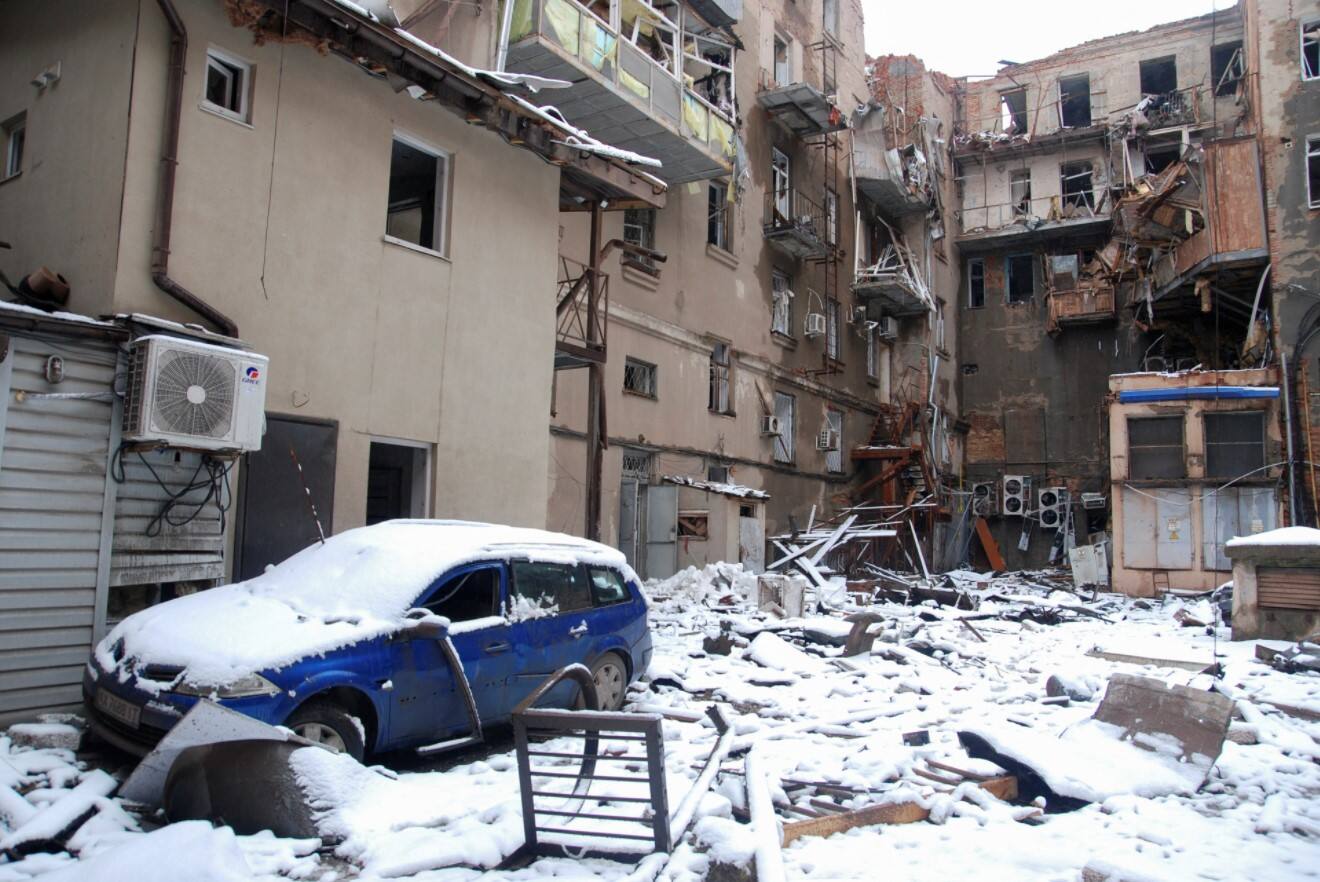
point(183, 393)
point(815, 324)
point(1017, 492)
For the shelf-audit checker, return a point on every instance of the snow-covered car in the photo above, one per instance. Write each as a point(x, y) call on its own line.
point(344, 642)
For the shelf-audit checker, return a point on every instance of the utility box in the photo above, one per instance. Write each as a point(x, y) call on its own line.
point(1276, 584)
point(786, 592)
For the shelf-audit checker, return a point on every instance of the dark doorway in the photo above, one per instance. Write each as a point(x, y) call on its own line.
point(274, 510)
point(396, 482)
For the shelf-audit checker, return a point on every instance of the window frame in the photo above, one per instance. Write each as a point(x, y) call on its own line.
point(1301, 44)
point(596, 601)
point(1017, 181)
point(975, 273)
point(834, 458)
point(1146, 64)
point(781, 181)
point(646, 235)
point(646, 368)
point(1008, 277)
point(781, 307)
point(1090, 108)
point(719, 214)
point(721, 380)
point(1006, 109)
point(1260, 443)
point(230, 64)
point(830, 22)
point(833, 347)
point(1312, 152)
point(1078, 198)
point(831, 217)
point(428, 598)
point(1233, 47)
point(872, 352)
point(576, 569)
point(443, 200)
point(15, 133)
point(1180, 419)
point(784, 449)
point(781, 39)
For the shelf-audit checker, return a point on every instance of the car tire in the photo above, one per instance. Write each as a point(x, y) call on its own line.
point(329, 724)
point(610, 672)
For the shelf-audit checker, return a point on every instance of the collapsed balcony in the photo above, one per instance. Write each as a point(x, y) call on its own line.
point(582, 302)
point(628, 91)
point(898, 179)
point(890, 287)
point(796, 225)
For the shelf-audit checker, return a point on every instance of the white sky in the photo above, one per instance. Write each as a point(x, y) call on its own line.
point(969, 37)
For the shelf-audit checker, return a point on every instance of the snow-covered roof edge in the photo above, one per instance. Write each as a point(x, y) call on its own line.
point(719, 487)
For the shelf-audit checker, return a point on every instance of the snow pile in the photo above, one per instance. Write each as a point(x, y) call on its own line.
point(714, 585)
point(191, 850)
point(1281, 536)
point(355, 586)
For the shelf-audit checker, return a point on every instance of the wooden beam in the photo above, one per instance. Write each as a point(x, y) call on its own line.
point(991, 547)
point(890, 813)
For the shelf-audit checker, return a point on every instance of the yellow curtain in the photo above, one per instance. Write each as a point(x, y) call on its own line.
point(562, 20)
point(721, 135)
point(521, 25)
point(643, 90)
point(696, 116)
point(599, 45)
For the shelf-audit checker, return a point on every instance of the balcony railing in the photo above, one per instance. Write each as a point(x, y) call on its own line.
point(1178, 108)
point(581, 310)
point(628, 71)
point(796, 224)
point(1038, 213)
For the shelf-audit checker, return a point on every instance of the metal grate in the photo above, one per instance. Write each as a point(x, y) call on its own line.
point(637, 464)
point(639, 377)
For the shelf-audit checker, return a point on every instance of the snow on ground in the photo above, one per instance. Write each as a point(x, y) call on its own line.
point(812, 717)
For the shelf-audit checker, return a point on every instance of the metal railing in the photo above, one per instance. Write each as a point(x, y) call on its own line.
point(578, 325)
point(628, 70)
point(793, 210)
point(1035, 211)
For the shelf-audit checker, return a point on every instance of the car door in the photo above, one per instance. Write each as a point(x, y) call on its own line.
point(426, 703)
point(549, 604)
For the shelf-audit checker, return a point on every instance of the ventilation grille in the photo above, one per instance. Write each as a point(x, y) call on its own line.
point(194, 395)
point(137, 379)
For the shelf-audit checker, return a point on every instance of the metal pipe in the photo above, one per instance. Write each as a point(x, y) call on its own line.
point(1255, 304)
point(169, 160)
point(1288, 427)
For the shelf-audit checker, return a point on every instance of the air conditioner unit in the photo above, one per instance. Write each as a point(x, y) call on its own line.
point(1093, 500)
point(1017, 493)
point(815, 324)
point(1052, 507)
point(769, 424)
point(984, 498)
point(887, 328)
point(183, 393)
point(828, 439)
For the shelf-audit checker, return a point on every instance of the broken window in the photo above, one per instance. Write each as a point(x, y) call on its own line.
point(720, 400)
point(785, 407)
point(1076, 184)
point(783, 66)
point(1020, 277)
point(1313, 171)
point(467, 596)
point(639, 377)
point(717, 473)
point(781, 319)
point(717, 215)
point(832, 329)
point(975, 283)
point(639, 229)
point(1159, 156)
point(830, 9)
point(607, 587)
point(1063, 272)
point(1013, 107)
point(550, 586)
point(1227, 66)
point(694, 525)
point(780, 182)
point(831, 217)
point(1234, 444)
point(15, 138)
point(1159, 76)
point(1310, 50)
point(1075, 101)
point(1155, 447)
point(418, 194)
point(1019, 187)
point(227, 85)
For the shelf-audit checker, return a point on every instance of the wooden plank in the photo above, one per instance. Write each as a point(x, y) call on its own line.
point(990, 546)
point(889, 813)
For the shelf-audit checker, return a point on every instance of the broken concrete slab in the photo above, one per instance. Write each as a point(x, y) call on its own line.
point(1160, 717)
point(62, 736)
point(247, 785)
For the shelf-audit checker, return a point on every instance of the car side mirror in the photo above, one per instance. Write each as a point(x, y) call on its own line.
point(424, 623)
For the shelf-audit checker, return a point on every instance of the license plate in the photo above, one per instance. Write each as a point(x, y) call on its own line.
point(125, 712)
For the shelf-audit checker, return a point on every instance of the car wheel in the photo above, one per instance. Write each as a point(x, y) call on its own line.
point(329, 725)
point(611, 676)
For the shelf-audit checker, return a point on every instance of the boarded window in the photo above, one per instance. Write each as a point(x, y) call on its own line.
point(639, 377)
point(1020, 272)
point(1075, 101)
point(1226, 67)
point(694, 525)
point(1234, 444)
point(975, 283)
point(1159, 76)
point(1155, 447)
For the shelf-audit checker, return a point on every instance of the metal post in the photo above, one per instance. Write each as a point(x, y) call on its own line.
point(1288, 427)
point(594, 382)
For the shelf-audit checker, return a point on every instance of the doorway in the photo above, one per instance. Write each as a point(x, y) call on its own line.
point(396, 481)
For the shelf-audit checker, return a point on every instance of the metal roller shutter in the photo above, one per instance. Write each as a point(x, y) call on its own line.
point(1288, 587)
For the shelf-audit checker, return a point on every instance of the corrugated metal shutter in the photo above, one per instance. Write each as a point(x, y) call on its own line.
point(184, 545)
point(1288, 587)
point(53, 488)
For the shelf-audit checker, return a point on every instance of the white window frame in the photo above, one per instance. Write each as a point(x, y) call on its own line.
point(834, 458)
point(781, 309)
point(832, 329)
point(644, 369)
point(786, 410)
point(1301, 45)
point(642, 234)
point(781, 181)
point(830, 17)
point(787, 42)
point(15, 132)
point(444, 169)
point(231, 63)
point(1312, 149)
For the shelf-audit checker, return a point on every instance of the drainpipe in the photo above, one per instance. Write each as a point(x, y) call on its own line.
point(1288, 427)
point(160, 245)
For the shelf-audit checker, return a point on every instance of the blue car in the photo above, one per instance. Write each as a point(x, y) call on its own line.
point(349, 642)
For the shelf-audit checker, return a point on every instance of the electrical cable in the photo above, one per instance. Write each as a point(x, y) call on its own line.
point(1188, 504)
point(215, 483)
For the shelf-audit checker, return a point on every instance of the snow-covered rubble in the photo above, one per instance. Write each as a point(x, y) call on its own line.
point(844, 731)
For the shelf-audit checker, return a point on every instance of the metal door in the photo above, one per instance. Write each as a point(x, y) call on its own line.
point(1235, 511)
point(628, 510)
point(751, 544)
point(274, 517)
point(1157, 528)
point(661, 531)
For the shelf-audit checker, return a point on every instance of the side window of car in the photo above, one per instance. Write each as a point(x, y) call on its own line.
point(474, 594)
point(607, 587)
point(550, 586)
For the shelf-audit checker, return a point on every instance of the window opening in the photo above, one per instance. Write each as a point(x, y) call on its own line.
point(471, 595)
point(1226, 67)
point(975, 283)
point(639, 377)
point(719, 399)
point(1075, 101)
point(417, 195)
point(1159, 76)
point(1155, 447)
point(1020, 191)
point(1021, 281)
point(1076, 184)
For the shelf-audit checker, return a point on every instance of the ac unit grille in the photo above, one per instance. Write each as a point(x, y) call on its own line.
point(194, 394)
point(137, 378)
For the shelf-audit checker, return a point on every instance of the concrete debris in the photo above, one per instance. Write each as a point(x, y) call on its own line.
point(56, 735)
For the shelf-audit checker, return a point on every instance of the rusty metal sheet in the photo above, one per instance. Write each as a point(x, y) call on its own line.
point(1151, 712)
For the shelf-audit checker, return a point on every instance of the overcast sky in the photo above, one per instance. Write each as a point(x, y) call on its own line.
point(969, 37)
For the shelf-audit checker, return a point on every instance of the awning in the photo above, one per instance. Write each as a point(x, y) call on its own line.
point(1188, 393)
